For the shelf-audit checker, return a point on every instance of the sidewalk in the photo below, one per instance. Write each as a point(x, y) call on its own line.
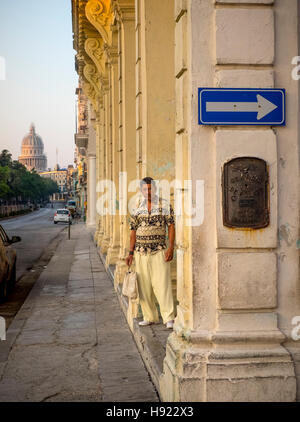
point(70, 340)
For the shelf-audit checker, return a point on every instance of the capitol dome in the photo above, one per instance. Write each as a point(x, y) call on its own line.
point(32, 155)
point(32, 139)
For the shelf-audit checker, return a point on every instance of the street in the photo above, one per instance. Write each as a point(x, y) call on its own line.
point(40, 237)
point(37, 231)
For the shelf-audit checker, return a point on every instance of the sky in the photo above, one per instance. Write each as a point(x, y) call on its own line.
point(39, 83)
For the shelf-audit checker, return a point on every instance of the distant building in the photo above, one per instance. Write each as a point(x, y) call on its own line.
point(32, 152)
point(71, 181)
point(60, 176)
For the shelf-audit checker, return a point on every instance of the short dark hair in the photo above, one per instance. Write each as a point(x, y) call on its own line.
point(146, 181)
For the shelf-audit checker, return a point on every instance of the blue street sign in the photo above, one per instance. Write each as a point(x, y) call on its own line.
point(234, 106)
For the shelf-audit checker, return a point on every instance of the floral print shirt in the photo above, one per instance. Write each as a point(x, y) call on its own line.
point(151, 227)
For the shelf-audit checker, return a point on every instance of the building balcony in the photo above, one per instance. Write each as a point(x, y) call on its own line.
point(81, 140)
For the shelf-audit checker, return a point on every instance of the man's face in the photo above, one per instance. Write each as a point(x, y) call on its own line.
point(147, 192)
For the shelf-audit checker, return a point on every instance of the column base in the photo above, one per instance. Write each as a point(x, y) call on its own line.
point(132, 309)
point(97, 232)
point(112, 255)
point(121, 269)
point(103, 245)
point(99, 238)
point(228, 367)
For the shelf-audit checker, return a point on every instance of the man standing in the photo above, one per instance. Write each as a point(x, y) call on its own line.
point(152, 257)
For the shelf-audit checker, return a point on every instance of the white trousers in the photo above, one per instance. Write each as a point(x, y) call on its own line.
point(154, 278)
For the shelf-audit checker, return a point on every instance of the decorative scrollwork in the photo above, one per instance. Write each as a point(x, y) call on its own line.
point(91, 94)
point(94, 48)
point(91, 74)
point(97, 8)
point(98, 12)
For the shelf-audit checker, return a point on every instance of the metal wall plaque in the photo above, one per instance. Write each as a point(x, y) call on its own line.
point(245, 193)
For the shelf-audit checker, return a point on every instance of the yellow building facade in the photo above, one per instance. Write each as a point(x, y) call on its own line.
point(140, 65)
point(60, 176)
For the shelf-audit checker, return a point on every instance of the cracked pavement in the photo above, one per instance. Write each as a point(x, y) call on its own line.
point(70, 340)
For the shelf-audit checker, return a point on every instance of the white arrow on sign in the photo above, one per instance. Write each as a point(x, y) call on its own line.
point(262, 107)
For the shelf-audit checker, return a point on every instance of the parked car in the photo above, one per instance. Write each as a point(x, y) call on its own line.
point(62, 216)
point(8, 259)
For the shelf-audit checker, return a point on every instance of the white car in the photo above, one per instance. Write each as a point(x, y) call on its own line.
point(62, 216)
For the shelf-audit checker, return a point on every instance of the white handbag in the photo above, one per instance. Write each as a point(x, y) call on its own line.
point(130, 286)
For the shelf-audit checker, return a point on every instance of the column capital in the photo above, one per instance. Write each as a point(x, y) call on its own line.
point(112, 54)
point(125, 9)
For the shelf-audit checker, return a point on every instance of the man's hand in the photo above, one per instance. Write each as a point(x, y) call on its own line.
point(129, 260)
point(169, 254)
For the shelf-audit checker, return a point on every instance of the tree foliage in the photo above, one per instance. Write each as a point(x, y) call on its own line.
point(16, 182)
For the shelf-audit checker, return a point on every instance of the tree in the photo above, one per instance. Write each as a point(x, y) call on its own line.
point(19, 183)
point(4, 187)
point(50, 187)
point(5, 158)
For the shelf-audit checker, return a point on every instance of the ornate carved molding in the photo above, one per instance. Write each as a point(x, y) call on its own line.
point(111, 54)
point(94, 48)
point(104, 85)
point(100, 104)
point(91, 74)
point(124, 9)
point(90, 93)
point(78, 63)
point(99, 14)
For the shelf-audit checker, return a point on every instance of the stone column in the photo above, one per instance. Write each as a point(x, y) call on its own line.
point(101, 156)
point(91, 217)
point(97, 129)
point(287, 36)
point(127, 144)
point(106, 166)
point(91, 169)
point(114, 246)
point(155, 88)
point(155, 94)
point(233, 287)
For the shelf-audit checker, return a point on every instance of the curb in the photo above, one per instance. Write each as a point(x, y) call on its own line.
point(145, 338)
